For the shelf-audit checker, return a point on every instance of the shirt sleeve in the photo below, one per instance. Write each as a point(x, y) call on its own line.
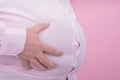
point(12, 40)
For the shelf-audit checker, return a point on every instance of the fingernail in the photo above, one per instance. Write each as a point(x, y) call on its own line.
point(47, 23)
point(61, 53)
point(55, 65)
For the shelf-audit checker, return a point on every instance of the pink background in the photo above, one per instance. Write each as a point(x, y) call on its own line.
point(101, 22)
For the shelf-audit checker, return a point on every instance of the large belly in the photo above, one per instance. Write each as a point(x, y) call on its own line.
point(59, 35)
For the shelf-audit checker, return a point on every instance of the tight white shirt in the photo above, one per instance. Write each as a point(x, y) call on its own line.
point(64, 33)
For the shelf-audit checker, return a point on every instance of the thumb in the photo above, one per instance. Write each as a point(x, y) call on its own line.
point(41, 27)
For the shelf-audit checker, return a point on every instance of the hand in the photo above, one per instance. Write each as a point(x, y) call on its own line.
point(34, 50)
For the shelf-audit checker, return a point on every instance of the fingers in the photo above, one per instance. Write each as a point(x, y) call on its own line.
point(49, 49)
point(33, 45)
point(25, 63)
point(41, 27)
point(37, 64)
point(43, 59)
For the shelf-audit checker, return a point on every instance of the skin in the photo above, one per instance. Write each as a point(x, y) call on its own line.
point(35, 50)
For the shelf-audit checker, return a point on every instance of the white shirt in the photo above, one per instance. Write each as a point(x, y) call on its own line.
point(63, 33)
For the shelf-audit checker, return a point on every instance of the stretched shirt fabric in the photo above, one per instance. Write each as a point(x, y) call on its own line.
point(64, 33)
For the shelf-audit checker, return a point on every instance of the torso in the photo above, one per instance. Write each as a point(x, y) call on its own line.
point(27, 13)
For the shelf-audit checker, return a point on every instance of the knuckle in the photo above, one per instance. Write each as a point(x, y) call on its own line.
point(33, 61)
point(37, 43)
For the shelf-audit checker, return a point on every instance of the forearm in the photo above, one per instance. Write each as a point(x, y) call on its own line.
point(12, 40)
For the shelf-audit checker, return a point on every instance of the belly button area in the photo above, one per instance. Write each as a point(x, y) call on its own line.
point(77, 40)
point(77, 43)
